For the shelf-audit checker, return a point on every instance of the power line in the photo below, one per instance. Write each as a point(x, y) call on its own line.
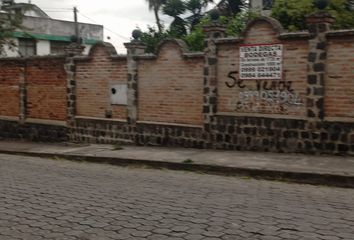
point(57, 11)
point(92, 20)
point(52, 8)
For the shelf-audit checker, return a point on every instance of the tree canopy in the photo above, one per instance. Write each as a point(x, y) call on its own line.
point(190, 15)
point(155, 6)
point(292, 13)
point(10, 20)
point(188, 18)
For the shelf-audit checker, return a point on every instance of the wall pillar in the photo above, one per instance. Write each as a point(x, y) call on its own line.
point(134, 49)
point(212, 31)
point(72, 51)
point(318, 24)
point(23, 94)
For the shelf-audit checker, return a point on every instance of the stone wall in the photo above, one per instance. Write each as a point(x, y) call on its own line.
point(40, 131)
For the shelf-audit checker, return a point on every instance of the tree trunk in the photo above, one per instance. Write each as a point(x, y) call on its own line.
point(157, 17)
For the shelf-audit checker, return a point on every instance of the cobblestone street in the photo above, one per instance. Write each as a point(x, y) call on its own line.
point(47, 199)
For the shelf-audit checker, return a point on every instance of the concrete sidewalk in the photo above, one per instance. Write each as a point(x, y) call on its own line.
point(328, 170)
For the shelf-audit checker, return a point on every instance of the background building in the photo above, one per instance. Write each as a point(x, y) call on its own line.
point(43, 35)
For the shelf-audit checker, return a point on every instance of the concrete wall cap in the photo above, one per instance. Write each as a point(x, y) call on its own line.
point(229, 40)
point(295, 35)
point(341, 33)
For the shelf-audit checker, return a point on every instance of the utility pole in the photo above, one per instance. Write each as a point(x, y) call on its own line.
point(77, 34)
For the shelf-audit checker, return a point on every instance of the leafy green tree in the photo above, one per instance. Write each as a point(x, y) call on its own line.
point(195, 37)
point(234, 27)
point(10, 20)
point(152, 37)
point(292, 13)
point(156, 5)
point(343, 12)
point(232, 7)
point(175, 8)
point(196, 7)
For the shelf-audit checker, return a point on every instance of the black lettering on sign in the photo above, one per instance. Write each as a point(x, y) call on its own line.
point(235, 81)
point(268, 85)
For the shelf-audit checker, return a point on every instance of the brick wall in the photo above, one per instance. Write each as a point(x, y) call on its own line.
point(232, 92)
point(94, 76)
point(44, 83)
point(339, 83)
point(46, 89)
point(10, 74)
point(260, 32)
point(178, 98)
point(170, 87)
point(33, 90)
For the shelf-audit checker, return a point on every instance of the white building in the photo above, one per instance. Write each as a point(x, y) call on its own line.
point(46, 36)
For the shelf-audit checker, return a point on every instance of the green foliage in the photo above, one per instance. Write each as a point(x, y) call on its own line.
point(178, 28)
point(9, 22)
point(152, 37)
point(343, 12)
point(188, 161)
point(195, 39)
point(236, 24)
point(234, 27)
point(175, 8)
point(117, 147)
point(232, 7)
point(196, 7)
point(292, 13)
point(155, 6)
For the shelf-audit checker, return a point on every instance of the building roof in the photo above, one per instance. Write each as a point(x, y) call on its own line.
point(27, 9)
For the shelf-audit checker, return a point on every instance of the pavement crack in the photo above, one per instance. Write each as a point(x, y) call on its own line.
point(288, 229)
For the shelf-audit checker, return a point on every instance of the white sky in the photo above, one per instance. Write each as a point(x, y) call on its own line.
point(119, 17)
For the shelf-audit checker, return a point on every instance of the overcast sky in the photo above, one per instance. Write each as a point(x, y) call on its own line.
point(119, 17)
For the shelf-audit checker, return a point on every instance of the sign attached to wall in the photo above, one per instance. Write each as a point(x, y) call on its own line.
point(263, 61)
point(119, 94)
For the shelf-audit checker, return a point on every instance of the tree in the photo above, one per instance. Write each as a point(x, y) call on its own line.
point(231, 7)
point(195, 37)
point(10, 20)
point(234, 27)
point(155, 5)
point(292, 13)
point(175, 8)
point(196, 7)
point(152, 37)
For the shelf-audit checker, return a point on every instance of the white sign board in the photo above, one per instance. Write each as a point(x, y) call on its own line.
point(261, 61)
point(119, 94)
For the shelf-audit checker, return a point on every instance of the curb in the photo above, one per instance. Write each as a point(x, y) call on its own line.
point(262, 174)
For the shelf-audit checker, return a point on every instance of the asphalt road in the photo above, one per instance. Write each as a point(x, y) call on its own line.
point(58, 199)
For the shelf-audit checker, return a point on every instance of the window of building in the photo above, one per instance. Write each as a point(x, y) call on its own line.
point(267, 4)
point(58, 47)
point(27, 47)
